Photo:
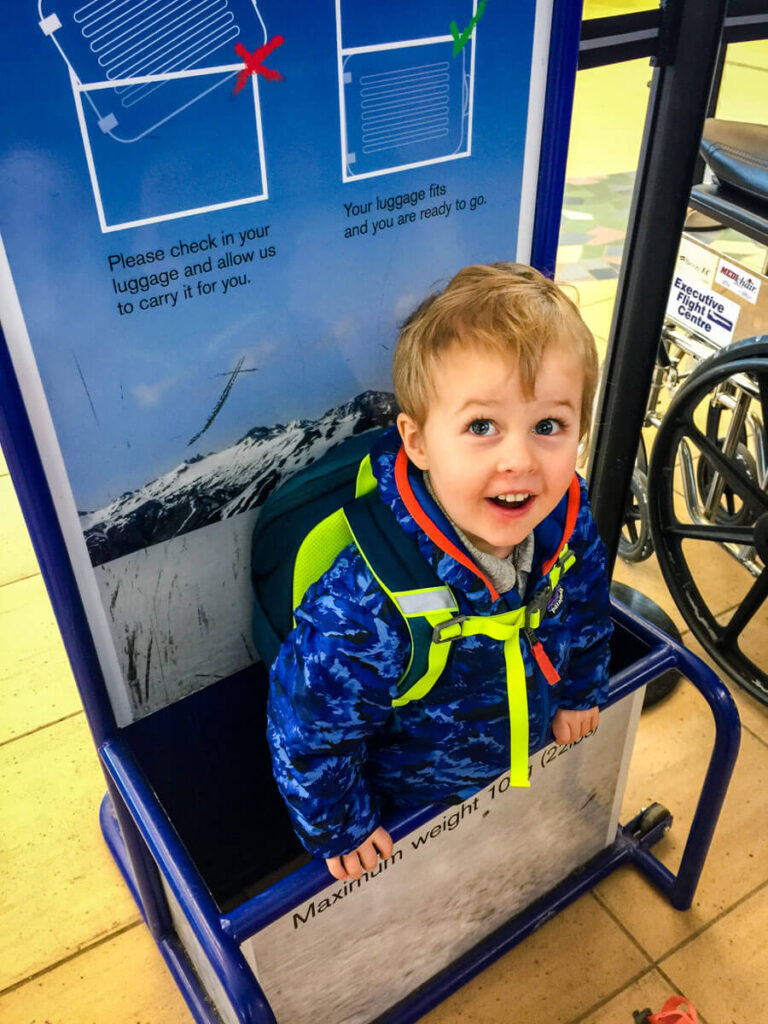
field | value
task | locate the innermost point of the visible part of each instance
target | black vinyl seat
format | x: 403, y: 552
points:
x: 737, y: 154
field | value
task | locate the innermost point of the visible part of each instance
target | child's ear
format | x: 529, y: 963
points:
x: 413, y: 441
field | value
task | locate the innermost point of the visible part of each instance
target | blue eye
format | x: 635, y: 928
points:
x: 481, y: 428
x: 548, y: 426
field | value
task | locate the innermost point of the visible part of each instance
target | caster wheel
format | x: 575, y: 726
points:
x: 650, y: 818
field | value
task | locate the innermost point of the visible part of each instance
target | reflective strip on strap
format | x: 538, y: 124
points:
x: 422, y: 602
x: 437, y: 659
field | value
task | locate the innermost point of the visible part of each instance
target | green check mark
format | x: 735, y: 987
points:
x: 460, y: 38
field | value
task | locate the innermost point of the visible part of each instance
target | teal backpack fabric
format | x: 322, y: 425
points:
x: 290, y: 513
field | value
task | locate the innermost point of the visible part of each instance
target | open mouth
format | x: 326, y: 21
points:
x: 511, y: 501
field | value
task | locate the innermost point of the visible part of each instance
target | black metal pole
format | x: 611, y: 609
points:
x: 688, y: 45
x: 714, y: 94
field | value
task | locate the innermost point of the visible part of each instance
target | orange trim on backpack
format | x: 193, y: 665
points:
x: 571, y: 515
x: 432, y: 531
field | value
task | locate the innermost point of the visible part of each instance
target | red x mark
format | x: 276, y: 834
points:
x: 253, y: 65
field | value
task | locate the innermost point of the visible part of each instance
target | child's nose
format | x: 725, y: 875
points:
x: 515, y: 457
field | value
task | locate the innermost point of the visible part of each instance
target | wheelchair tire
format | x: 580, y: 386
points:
x: 678, y: 435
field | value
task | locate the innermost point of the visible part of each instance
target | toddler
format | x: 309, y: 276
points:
x: 495, y: 377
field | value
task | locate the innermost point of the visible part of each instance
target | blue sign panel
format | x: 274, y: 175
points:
x: 214, y: 215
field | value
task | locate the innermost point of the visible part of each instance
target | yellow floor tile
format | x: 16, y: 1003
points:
x: 723, y: 970
x: 545, y: 979
x: 649, y: 992
x: 60, y: 887
x: 753, y: 53
x: 17, y: 559
x: 743, y: 92
x: 646, y: 577
x: 568, y: 254
x: 588, y: 293
x: 720, y: 581
x: 753, y: 714
x: 671, y: 755
x: 121, y: 981
x: 598, y: 317
x: 753, y: 642
x: 608, y: 116
x: 36, y: 682
x: 610, y: 8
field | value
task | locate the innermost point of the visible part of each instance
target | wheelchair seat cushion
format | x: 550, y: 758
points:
x: 738, y: 155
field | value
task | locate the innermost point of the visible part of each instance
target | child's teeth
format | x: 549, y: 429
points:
x: 513, y: 497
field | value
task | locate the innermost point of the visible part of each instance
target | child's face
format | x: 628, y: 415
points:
x: 498, y: 462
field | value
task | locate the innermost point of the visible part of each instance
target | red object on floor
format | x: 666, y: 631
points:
x: 670, y: 1013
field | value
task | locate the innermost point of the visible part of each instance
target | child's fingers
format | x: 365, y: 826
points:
x: 561, y: 729
x: 364, y: 858
x: 352, y: 865
x: 587, y: 721
x: 335, y: 867
x: 594, y: 718
x: 369, y: 858
x: 382, y: 840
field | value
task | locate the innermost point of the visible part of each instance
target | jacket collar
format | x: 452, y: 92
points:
x: 401, y: 486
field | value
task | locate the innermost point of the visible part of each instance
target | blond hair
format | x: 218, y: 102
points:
x: 508, y: 308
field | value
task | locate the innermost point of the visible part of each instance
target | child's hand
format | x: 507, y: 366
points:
x: 569, y: 726
x: 364, y: 858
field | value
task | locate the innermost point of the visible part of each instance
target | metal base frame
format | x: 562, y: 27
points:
x: 135, y: 826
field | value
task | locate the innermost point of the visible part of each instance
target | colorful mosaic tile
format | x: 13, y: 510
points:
x: 599, y: 206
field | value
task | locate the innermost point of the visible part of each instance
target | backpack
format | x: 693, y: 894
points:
x: 307, y: 522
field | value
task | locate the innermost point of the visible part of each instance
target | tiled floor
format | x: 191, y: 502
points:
x: 72, y: 947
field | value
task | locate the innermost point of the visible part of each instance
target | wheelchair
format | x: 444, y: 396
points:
x: 706, y: 481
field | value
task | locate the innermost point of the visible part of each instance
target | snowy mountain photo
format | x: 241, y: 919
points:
x: 209, y: 488
x: 172, y: 558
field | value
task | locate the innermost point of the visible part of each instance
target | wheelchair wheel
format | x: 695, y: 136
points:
x: 731, y: 510
x: 715, y: 514
x: 635, y: 544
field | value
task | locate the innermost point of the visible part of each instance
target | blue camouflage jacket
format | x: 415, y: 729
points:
x: 339, y: 748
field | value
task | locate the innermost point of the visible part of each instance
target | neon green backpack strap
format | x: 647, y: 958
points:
x: 395, y: 561
x: 506, y: 627
x: 424, y: 610
x: 427, y: 606
x: 419, y: 595
x: 318, y: 551
x: 327, y: 539
x: 366, y: 481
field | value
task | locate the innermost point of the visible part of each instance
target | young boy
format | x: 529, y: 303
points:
x: 495, y: 378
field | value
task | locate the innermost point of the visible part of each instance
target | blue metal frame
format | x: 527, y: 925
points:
x: 139, y: 833
x: 220, y: 935
x: 561, y: 82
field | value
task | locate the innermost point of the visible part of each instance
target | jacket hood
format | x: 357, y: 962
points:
x: 402, y: 488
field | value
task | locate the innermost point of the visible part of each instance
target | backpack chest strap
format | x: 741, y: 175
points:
x: 433, y: 624
x: 505, y: 628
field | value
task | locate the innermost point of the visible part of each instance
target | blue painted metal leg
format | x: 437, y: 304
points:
x: 680, y: 888
x: 171, y: 949
x: 188, y: 888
